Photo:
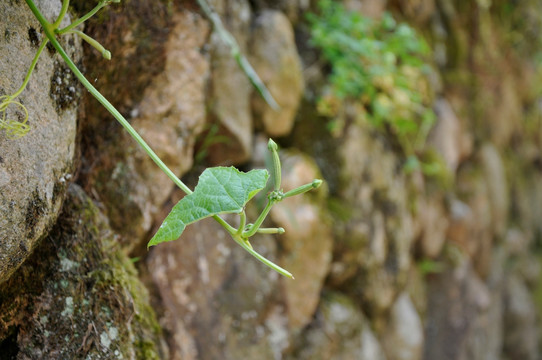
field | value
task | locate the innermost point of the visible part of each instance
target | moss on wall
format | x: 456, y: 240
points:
x: 78, y: 296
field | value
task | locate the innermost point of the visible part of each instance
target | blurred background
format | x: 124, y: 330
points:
x: 423, y: 117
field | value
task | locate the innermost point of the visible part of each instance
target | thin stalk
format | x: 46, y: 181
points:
x: 63, y: 11
x: 31, y: 69
x: 303, y: 188
x: 238, y: 55
x: 105, y: 53
x: 271, y: 231
x: 49, y: 32
x: 230, y: 229
x: 242, y: 222
x: 254, y: 229
x: 270, y: 264
x: 277, y: 172
x: 82, y: 19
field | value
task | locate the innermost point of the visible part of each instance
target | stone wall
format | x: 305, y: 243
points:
x: 388, y: 264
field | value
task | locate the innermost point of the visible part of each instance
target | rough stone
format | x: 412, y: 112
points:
x: 35, y: 169
x: 169, y: 112
x: 274, y: 56
x: 307, y: 240
x: 471, y: 226
x: 78, y: 296
x: 338, y: 331
x: 230, y: 89
x: 375, y: 230
x: 497, y: 187
x: 213, y: 291
x: 371, y: 8
x: 520, y: 330
x: 293, y: 9
x: 459, y: 309
x: 447, y: 135
x: 418, y: 11
x: 434, y: 224
x: 172, y: 112
x: 403, y: 337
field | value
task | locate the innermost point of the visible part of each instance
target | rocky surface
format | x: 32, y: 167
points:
x: 78, y: 295
x: 307, y: 242
x: 35, y: 169
x: 212, y: 292
x: 391, y: 262
x: 230, y: 89
x: 274, y: 56
x: 165, y: 102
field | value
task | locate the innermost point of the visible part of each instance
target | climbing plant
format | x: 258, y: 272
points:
x: 378, y: 67
x: 220, y: 190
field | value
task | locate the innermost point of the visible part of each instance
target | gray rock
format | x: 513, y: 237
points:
x: 520, y: 329
x: 35, y: 169
x: 403, y: 337
x: 462, y: 315
x: 447, y: 135
x: 293, y: 9
x: 274, y: 56
x: 497, y: 187
x: 374, y: 218
x: 339, y: 331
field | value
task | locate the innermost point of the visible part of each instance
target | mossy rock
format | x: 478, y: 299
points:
x: 78, y: 296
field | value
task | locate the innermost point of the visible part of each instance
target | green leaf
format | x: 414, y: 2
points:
x: 220, y: 190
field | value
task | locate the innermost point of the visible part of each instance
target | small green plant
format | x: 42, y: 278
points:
x: 220, y: 190
x: 377, y: 68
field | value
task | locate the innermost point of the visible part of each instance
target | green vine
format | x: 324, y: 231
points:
x: 219, y: 190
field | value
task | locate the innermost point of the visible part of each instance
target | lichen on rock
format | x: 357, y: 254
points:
x: 78, y: 295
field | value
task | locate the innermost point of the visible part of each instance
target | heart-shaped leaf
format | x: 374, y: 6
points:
x: 220, y: 190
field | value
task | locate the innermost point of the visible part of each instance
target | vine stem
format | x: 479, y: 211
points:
x: 31, y: 69
x: 49, y: 30
x: 245, y: 245
x: 243, y: 63
x: 82, y: 19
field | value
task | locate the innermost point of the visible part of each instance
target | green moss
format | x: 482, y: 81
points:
x: 77, y: 286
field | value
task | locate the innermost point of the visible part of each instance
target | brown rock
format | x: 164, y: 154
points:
x: 375, y: 231
x: 307, y: 240
x: 371, y: 8
x: 339, y: 331
x: 169, y: 116
x: 274, y: 56
x: 229, y: 98
x: 446, y: 136
x: 212, y: 290
x: 434, y: 225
